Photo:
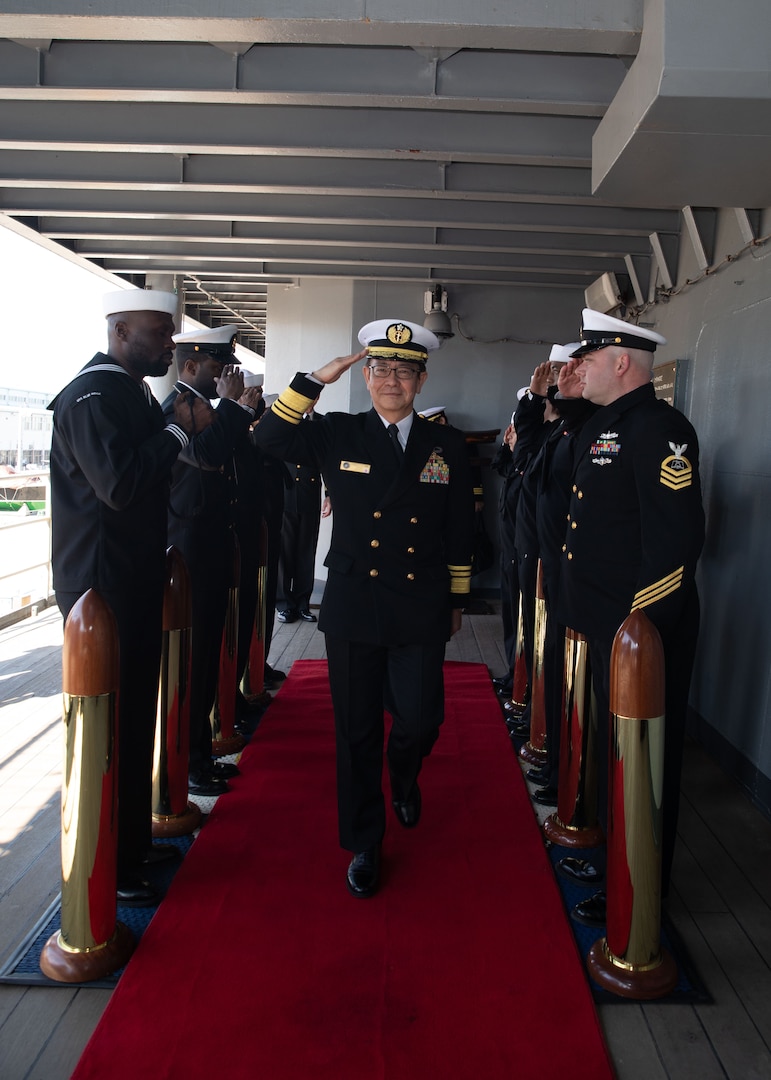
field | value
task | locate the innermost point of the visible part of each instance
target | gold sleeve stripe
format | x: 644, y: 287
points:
x: 460, y: 579
x: 290, y: 406
x: 659, y: 589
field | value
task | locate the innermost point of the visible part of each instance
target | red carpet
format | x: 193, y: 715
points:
x: 259, y: 964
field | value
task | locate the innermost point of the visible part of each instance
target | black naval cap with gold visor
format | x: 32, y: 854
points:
x: 394, y: 339
x: 219, y: 342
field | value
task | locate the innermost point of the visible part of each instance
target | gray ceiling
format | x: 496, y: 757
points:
x: 234, y: 152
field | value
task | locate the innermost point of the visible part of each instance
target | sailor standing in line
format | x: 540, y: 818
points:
x: 635, y: 533
x: 399, y: 572
x: 111, y: 459
x: 201, y: 518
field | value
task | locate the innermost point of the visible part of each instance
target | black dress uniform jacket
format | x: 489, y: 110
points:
x: 636, y: 525
x: 201, y: 503
x: 111, y: 462
x: 400, y: 555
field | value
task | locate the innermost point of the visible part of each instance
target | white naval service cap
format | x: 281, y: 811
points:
x: 397, y: 339
x: 560, y: 354
x: 114, y: 303
x: 219, y: 342
x: 252, y: 378
x: 599, y: 330
x: 436, y: 412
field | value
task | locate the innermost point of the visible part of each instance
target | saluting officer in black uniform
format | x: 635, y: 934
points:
x: 635, y: 532
x: 299, y: 536
x: 111, y: 458
x: 201, y: 520
x: 399, y: 572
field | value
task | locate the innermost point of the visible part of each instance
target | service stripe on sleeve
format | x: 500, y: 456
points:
x: 659, y: 589
x: 290, y: 406
x: 460, y: 579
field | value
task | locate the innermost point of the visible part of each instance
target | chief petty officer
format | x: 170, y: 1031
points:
x: 399, y: 572
x: 635, y: 532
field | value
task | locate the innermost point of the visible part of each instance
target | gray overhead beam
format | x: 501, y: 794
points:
x: 562, y: 26
x: 298, y: 131
x: 352, y: 77
x: 451, y: 212
x: 383, y: 239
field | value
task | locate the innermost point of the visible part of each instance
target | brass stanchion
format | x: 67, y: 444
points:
x: 223, y: 713
x: 534, y: 750
x: 173, y: 815
x: 253, y: 682
x: 629, y: 960
x: 91, y: 942
x: 518, y: 701
x: 575, y: 822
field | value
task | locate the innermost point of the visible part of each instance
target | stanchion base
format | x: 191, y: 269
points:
x: 645, y: 985
x: 513, y: 709
x: 177, y: 824
x: 72, y: 966
x: 589, y: 836
x: 531, y: 755
x: 232, y: 745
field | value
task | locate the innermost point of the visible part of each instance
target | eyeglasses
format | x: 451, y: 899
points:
x: 402, y: 372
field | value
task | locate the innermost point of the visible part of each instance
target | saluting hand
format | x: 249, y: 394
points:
x: 230, y: 384
x: 252, y: 396
x: 568, y: 383
x: 332, y: 371
x: 192, y: 413
x: 539, y: 383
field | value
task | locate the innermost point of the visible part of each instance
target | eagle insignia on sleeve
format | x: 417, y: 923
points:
x: 676, y: 470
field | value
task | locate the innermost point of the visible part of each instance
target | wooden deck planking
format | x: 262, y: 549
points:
x: 719, y: 902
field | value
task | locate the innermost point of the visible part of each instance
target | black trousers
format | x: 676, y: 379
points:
x: 365, y: 680
x: 138, y: 612
x: 296, y: 564
x: 210, y: 600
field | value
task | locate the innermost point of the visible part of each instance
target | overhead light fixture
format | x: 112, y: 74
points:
x: 435, y: 306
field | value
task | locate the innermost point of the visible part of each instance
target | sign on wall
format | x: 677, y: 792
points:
x: 665, y: 380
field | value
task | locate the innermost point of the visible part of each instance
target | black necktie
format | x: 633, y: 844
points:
x: 393, y: 434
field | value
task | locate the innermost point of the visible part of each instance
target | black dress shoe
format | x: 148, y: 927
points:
x: 580, y: 871
x: 538, y: 775
x: 408, y: 810
x: 224, y: 770
x: 363, y: 875
x: 285, y: 615
x: 136, y: 892
x: 519, y: 730
x: 204, y: 784
x: 160, y: 853
x: 546, y: 796
x: 591, y: 912
x: 273, y: 674
x: 307, y: 616
x: 503, y: 685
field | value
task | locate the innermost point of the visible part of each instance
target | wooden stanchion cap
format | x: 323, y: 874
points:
x: 637, y: 669
x: 91, y: 653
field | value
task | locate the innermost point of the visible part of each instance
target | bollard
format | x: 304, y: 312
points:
x: 253, y: 682
x: 629, y: 960
x: 91, y: 942
x: 173, y: 815
x: 534, y: 749
x: 225, y: 740
x: 575, y: 822
x: 518, y: 701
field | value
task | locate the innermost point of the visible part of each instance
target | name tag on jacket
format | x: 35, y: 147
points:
x: 355, y: 466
